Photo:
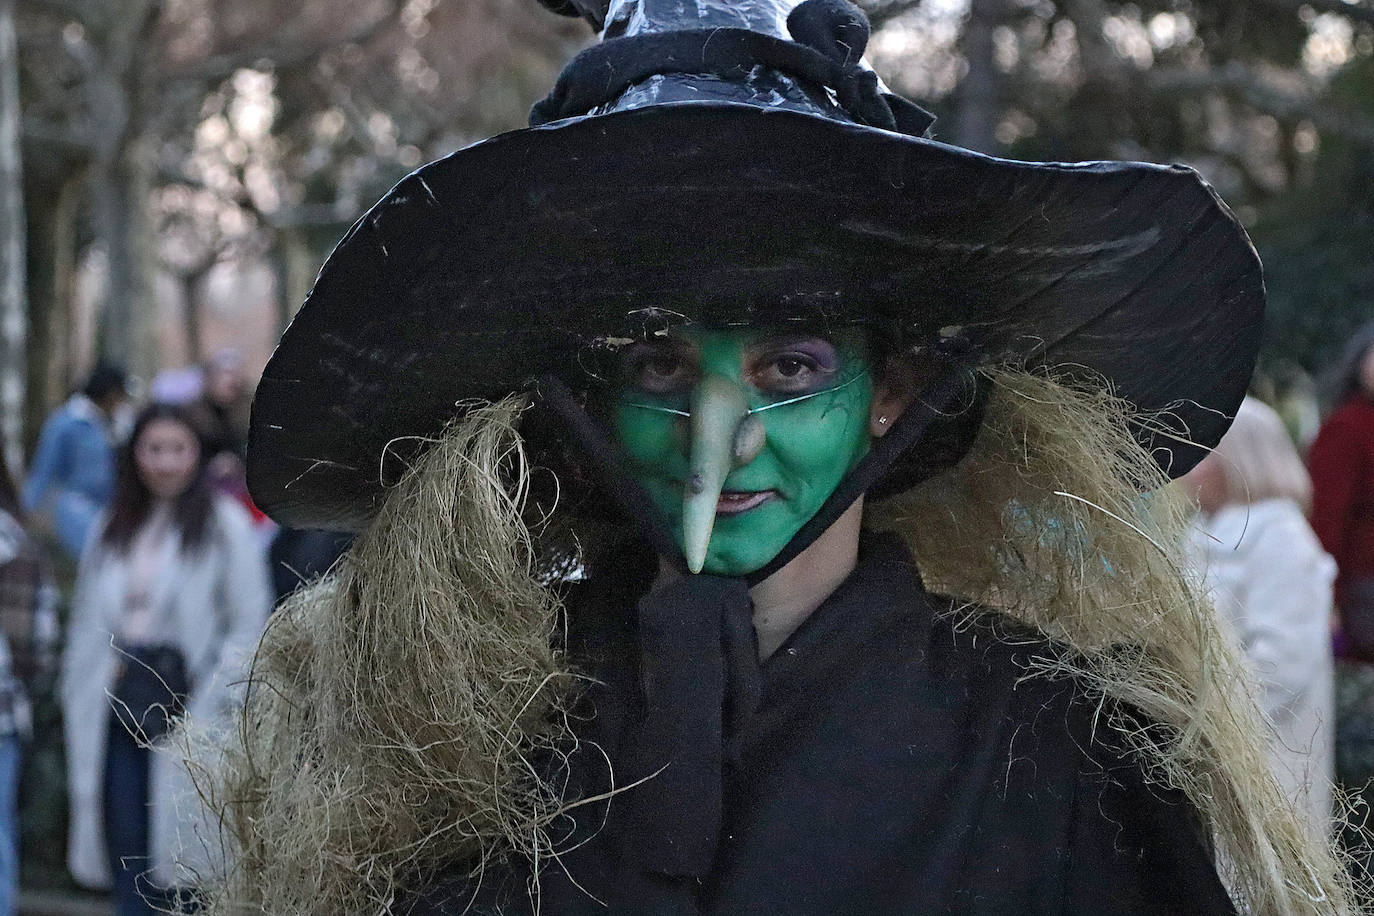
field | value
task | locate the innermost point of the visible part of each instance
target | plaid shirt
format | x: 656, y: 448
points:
x: 28, y: 624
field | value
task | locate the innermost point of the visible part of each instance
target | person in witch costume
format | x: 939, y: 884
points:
x: 762, y: 507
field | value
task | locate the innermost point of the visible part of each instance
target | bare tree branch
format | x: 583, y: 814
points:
x: 14, y: 325
x: 881, y: 12
x: 285, y: 52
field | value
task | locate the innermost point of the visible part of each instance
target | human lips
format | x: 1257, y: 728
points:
x: 733, y: 502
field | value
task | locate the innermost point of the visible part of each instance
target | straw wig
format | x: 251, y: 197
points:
x: 396, y: 707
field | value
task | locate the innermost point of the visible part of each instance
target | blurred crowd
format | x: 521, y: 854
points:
x: 136, y: 575
x: 135, y: 578
x: 1285, y: 541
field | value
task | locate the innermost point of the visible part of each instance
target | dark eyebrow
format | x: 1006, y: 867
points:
x: 788, y: 338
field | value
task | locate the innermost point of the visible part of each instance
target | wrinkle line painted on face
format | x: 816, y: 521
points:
x: 752, y: 410
x: 836, y: 402
x: 776, y: 485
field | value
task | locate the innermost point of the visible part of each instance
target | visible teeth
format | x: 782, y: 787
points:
x: 734, y: 502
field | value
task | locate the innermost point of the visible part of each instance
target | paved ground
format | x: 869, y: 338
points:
x: 49, y: 903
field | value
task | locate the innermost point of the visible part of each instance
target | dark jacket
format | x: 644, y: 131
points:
x: 28, y: 626
x: 893, y: 756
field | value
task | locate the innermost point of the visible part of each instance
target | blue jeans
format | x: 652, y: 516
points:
x: 10, y: 757
x: 126, y: 825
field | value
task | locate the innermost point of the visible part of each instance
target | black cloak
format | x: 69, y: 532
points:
x: 897, y: 754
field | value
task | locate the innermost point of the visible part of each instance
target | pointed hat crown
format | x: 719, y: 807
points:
x: 776, y: 54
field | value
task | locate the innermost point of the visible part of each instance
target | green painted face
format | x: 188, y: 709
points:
x: 811, y: 395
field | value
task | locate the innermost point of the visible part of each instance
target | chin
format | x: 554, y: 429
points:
x: 735, y: 562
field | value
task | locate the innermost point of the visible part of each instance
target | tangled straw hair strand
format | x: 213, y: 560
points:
x: 394, y: 706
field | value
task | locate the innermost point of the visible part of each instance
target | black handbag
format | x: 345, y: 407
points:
x: 150, y: 691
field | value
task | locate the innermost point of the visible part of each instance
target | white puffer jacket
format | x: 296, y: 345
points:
x: 1270, y: 576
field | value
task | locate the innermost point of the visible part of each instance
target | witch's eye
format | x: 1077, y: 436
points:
x: 795, y: 370
x: 660, y: 370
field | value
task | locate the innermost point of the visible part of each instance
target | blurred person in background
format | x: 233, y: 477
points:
x: 181, y: 385
x: 171, y: 596
x: 1341, y: 461
x: 221, y: 411
x: 72, y: 474
x: 222, y: 407
x: 1269, y: 575
x: 28, y: 643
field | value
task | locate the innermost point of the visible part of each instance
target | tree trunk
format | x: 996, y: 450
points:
x: 145, y: 356
x: 121, y: 181
x: 52, y: 213
x: 296, y: 266
x: 128, y: 317
x: 977, y: 100
x: 110, y: 226
x: 190, y: 285
x: 13, y: 303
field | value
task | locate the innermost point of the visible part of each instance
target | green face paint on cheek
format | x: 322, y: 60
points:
x: 809, y: 446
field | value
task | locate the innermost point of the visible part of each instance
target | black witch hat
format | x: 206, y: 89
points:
x: 729, y: 161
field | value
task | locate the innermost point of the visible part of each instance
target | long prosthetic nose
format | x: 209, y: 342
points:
x: 724, y: 435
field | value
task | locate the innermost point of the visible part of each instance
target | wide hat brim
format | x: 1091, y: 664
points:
x: 536, y: 250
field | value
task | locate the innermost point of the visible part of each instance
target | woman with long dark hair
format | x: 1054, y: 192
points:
x: 171, y: 594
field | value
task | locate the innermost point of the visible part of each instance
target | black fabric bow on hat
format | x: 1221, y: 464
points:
x: 830, y: 38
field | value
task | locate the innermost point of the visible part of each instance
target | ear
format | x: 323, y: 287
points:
x: 892, y: 394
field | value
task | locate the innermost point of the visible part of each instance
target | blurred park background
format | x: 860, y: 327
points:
x: 173, y: 172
